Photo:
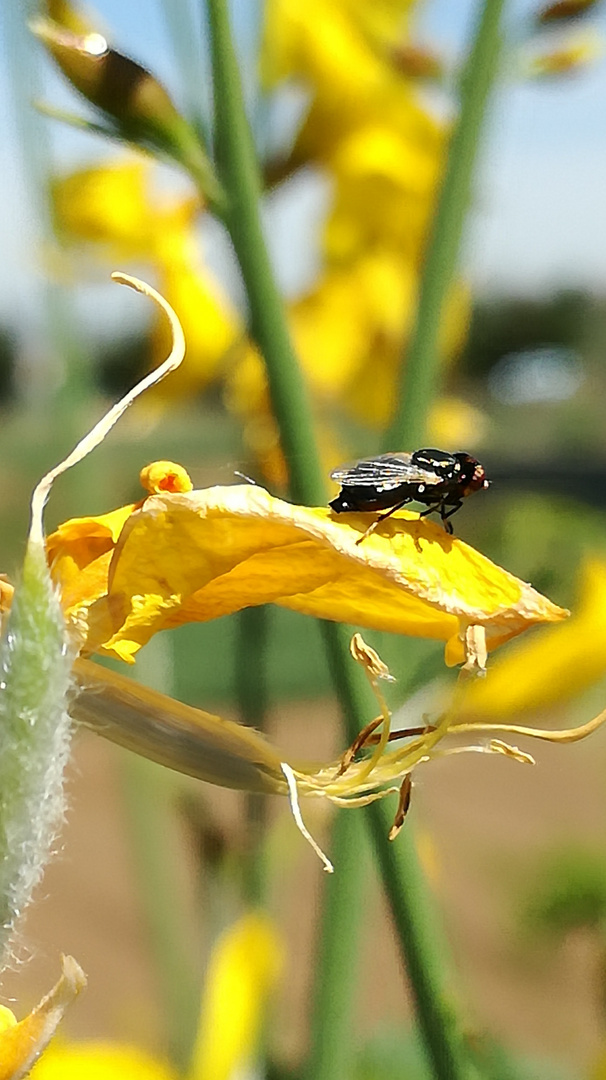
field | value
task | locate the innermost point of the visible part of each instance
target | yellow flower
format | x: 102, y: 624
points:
x: 212, y: 328
x: 385, y: 184
x: 22, y: 1043
x: 243, y: 970
x: 551, y: 667
x: 117, y: 208
x: 454, y: 422
x: 116, y: 205
x: 100, y: 1061
x: 332, y: 44
x: 361, y: 312
x: 194, y: 556
x: 574, y: 55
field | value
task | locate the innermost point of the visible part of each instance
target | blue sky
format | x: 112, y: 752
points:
x: 539, y: 217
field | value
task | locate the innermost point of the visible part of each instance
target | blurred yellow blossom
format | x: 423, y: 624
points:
x: 551, y: 667
x: 330, y: 43
x: 100, y: 1061
x: 573, y: 55
x: 117, y: 204
x: 383, y: 151
x: 344, y: 62
x: 384, y: 190
x: 213, y: 330
x: 117, y: 207
x: 243, y: 970
x: 350, y: 332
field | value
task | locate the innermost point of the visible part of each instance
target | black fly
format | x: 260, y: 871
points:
x: 434, y: 477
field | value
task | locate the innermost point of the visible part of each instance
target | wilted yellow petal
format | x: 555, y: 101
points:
x: 242, y: 971
x: 199, y: 555
x: 21, y: 1044
x: 550, y: 667
x: 80, y: 552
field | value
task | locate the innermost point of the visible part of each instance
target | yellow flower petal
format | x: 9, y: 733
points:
x: 210, y: 323
x: 108, y: 204
x: 7, y: 1019
x: 243, y: 968
x: 80, y: 552
x: 21, y: 1044
x: 551, y: 667
x: 100, y: 1061
x: 199, y: 555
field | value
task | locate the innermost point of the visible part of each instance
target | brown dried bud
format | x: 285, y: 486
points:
x: 416, y: 63
x: 564, y: 10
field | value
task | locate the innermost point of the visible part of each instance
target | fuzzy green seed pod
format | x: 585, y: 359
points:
x: 37, y: 651
x: 35, y: 665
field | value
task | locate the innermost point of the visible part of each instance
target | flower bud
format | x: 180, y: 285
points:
x: 563, y: 10
x: 138, y: 106
x: 416, y: 63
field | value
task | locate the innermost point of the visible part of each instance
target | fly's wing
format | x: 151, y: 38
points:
x: 384, y: 472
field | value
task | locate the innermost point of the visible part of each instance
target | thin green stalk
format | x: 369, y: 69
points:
x: 251, y: 692
x: 238, y: 170
x: 337, y: 958
x: 239, y: 174
x: 34, y: 146
x: 148, y: 797
x: 416, y: 927
x: 420, y: 371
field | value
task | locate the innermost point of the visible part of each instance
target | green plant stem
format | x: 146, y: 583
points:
x: 149, y: 804
x: 420, y: 370
x: 336, y: 969
x: 417, y: 929
x: 238, y: 171
x: 148, y: 797
x: 239, y: 174
x: 251, y: 692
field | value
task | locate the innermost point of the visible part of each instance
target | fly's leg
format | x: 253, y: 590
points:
x: 432, y: 509
x: 382, y: 517
x: 447, y: 524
